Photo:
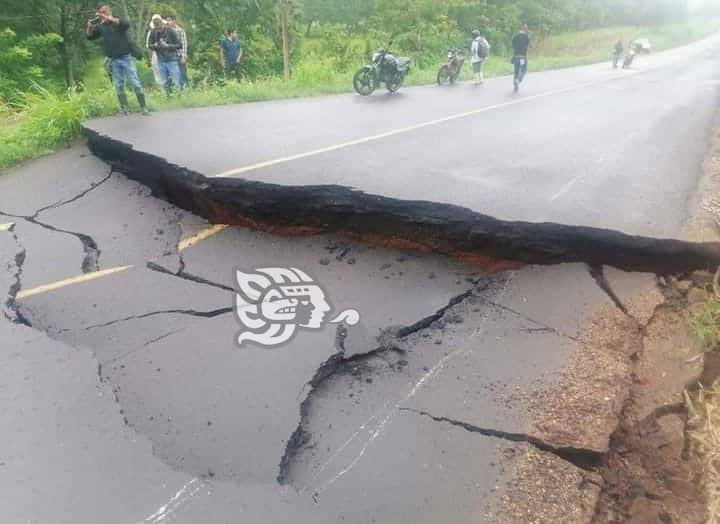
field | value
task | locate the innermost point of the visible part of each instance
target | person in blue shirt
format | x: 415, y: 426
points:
x: 230, y: 53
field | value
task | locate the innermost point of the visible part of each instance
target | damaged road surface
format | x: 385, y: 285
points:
x: 130, y: 400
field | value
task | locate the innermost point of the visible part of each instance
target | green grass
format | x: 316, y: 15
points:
x: 705, y: 323
x: 49, y: 121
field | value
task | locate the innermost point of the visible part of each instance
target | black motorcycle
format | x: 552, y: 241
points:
x: 385, y: 69
x: 450, y: 70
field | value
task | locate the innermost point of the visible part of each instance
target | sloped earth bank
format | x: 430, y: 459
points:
x: 446, y: 402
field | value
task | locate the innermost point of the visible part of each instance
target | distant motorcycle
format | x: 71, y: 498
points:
x: 450, y: 70
x: 629, y: 57
x: 384, y: 69
x: 639, y: 46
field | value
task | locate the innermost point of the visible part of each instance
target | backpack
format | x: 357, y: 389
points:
x: 483, y: 47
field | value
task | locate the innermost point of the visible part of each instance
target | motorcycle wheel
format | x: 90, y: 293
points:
x: 364, y: 82
x: 444, y: 76
x: 394, y: 84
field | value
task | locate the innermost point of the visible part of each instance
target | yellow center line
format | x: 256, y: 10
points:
x: 88, y: 277
x: 407, y: 129
x: 200, y: 236
x: 7, y: 227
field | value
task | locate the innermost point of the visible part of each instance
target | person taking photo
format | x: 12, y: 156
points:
x: 118, y: 49
x: 166, y: 43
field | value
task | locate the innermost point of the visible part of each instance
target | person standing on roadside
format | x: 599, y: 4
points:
x: 230, y: 53
x: 165, y: 42
x: 479, y: 52
x: 156, y: 23
x: 617, y: 53
x: 117, y: 47
x: 183, y: 51
x: 520, y: 43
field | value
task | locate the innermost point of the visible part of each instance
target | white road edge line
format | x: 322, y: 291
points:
x: 183, y: 496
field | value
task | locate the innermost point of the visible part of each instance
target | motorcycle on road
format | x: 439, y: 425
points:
x: 384, y: 69
x: 450, y: 70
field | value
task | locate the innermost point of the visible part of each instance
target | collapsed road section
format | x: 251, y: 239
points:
x: 423, y: 225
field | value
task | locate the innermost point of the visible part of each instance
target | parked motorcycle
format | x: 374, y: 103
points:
x: 450, y: 70
x: 629, y: 57
x: 639, y: 46
x: 384, y: 69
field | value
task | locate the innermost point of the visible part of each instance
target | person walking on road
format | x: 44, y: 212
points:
x: 230, y: 53
x: 183, y: 51
x: 119, y: 50
x: 617, y: 53
x: 479, y: 52
x: 520, y: 43
x: 166, y: 43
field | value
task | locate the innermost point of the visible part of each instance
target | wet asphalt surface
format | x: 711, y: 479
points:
x: 587, y: 146
x: 128, y: 400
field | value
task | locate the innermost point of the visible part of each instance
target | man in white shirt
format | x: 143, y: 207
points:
x: 479, y: 52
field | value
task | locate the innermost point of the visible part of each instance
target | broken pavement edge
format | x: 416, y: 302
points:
x: 442, y: 228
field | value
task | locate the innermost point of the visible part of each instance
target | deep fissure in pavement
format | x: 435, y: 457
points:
x: 585, y: 459
x: 182, y: 274
x: 91, y: 250
x: 442, y: 228
x: 12, y: 311
x: 598, y: 274
x: 188, y: 312
x: 390, y: 341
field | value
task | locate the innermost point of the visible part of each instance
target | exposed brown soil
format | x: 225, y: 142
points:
x: 648, y: 476
x: 620, y: 395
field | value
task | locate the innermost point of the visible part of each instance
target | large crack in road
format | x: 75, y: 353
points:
x: 442, y: 228
x: 298, y: 466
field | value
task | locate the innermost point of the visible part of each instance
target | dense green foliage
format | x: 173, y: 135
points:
x: 51, y: 77
x: 334, y: 34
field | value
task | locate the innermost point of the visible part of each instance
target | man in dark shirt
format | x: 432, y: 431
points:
x: 183, y: 50
x: 230, y: 52
x: 520, y: 43
x: 166, y: 43
x: 617, y: 53
x: 118, y: 50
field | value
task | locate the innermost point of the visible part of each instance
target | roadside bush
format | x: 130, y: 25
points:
x: 313, y: 72
x: 22, y: 63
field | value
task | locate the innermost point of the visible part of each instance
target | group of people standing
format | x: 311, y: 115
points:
x: 166, y: 50
x: 480, y: 51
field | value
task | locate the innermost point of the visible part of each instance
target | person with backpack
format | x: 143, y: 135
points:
x: 120, y: 52
x: 479, y: 52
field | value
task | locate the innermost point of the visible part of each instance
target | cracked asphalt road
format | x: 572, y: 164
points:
x: 152, y: 405
x: 129, y: 400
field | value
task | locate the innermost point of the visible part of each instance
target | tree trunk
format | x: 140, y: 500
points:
x: 285, y: 34
x: 65, y: 52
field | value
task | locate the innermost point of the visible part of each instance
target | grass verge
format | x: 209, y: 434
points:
x: 704, y: 411
x: 704, y: 418
x: 48, y: 121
